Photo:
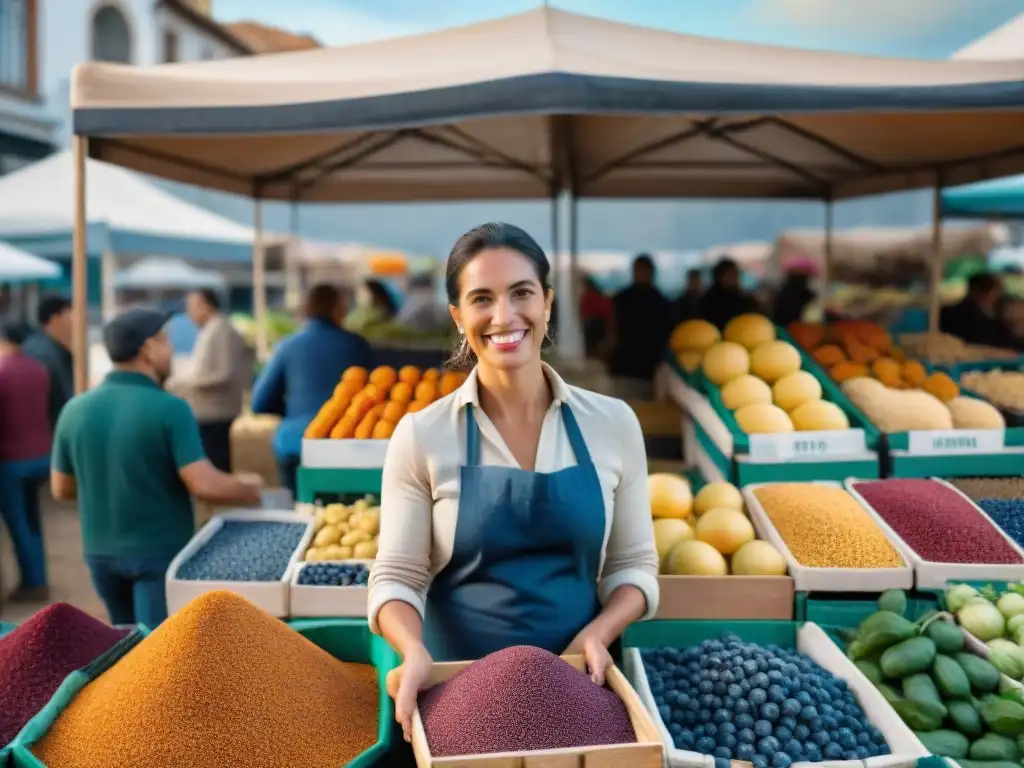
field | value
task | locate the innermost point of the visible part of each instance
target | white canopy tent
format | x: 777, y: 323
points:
x: 576, y: 107
x: 18, y: 266
x: 1005, y: 42
x: 168, y: 274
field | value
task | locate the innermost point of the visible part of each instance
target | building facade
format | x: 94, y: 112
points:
x: 42, y: 40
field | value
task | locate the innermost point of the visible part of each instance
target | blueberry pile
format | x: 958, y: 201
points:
x: 766, y: 705
x: 334, y: 575
x: 244, y: 551
x: 1008, y: 514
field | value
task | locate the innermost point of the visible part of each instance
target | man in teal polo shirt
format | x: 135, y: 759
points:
x: 131, y: 454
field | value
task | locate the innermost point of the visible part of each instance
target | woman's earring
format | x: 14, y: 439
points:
x: 462, y: 331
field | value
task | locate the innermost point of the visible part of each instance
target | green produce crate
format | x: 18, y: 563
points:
x: 323, y: 484
x: 829, y: 610
x: 715, y: 428
x: 680, y: 632
x: 18, y: 753
x: 348, y: 640
x: 6, y: 628
x: 1007, y: 461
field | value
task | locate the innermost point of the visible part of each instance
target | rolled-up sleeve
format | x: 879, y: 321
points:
x: 631, y: 557
x: 402, y: 567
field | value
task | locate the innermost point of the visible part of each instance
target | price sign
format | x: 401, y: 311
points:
x: 807, y: 446
x: 946, y: 442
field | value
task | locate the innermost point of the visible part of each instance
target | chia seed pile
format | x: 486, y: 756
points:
x: 521, y: 698
x: 769, y: 706
x: 245, y: 551
x: 37, y: 656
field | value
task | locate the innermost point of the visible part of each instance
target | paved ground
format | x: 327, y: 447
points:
x: 69, y: 578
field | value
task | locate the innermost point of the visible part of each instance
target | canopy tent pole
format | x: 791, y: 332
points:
x: 938, y: 266
x: 259, y: 283
x: 573, y: 346
x: 826, y: 262
x: 108, y: 274
x: 80, y: 272
x: 292, y: 262
x: 556, y: 237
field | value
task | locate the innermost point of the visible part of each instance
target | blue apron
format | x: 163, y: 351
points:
x: 525, y: 559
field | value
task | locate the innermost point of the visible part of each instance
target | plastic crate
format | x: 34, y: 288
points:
x: 315, y: 483
x: 808, y: 638
x: 347, y: 640
x: 5, y: 628
x: 18, y: 753
x: 830, y: 609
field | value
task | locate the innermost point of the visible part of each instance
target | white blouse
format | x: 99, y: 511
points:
x: 420, y: 491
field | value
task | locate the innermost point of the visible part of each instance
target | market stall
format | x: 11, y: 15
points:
x: 20, y: 274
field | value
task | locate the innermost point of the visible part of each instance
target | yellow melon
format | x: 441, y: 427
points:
x: 773, y: 360
x: 695, y: 558
x: 795, y: 389
x: 745, y: 390
x: 724, y: 529
x: 763, y: 419
x: 819, y: 416
x: 671, y: 496
x: 693, y: 336
x: 690, y: 361
x: 668, y: 532
x: 750, y: 330
x: 717, y: 496
x: 724, y: 362
x: 758, y: 558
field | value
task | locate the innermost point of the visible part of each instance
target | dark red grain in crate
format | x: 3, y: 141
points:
x: 937, y: 523
x: 37, y: 656
x: 518, y: 699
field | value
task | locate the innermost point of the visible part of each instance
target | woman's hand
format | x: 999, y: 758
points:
x: 405, y: 682
x: 594, y: 651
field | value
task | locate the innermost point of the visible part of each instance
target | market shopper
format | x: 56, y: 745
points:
x: 303, y: 372
x: 515, y: 510
x: 220, y: 372
x: 725, y: 298
x: 130, y: 454
x: 51, y: 346
x: 25, y: 439
x: 976, y: 319
x: 643, y: 323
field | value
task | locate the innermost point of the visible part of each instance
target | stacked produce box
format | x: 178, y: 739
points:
x: 931, y: 425
x: 712, y: 563
x: 758, y: 408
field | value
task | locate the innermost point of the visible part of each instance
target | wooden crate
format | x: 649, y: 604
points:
x: 726, y: 597
x: 647, y: 752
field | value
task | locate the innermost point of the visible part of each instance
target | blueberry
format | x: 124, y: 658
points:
x: 769, y: 711
x: 759, y: 761
x: 744, y: 720
x: 722, y: 761
x: 781, y: 760
x: 734, y: 691
x: 791, y: 707
x: 757, y: 697
x: 768, y: 746
x: 783, y: 734
x: 745, y: 736
x: 744, y: 752
x: 832, y: 751
x: 705, y: 745
x: 762, y: 728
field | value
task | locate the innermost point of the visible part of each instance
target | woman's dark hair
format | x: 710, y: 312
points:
x: 381, y: 296
x: 14, y: 332
x: 322, y: 303
x: 494, y: 234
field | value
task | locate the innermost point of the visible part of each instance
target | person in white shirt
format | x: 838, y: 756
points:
x: 220, y: 372
x: 515, y: 510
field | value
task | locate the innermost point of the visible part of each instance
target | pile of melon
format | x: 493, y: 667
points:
x: 896, y: 393
x: 760, y: 380
x: 707, y: 535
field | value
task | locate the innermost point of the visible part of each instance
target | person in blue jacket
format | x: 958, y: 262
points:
x: 303, y: 372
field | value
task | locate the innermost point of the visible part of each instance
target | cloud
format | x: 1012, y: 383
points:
x: 889, y: 19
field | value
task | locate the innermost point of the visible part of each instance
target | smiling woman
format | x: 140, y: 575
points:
x: 515, y: 510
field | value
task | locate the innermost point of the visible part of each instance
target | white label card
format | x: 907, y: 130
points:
x: 807, y: 446
x: 952, y: 441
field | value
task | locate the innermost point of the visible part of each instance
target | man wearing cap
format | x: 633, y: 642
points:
x: 131, y: 454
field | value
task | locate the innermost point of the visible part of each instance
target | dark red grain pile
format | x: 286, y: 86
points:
x: 37, y: 656
x: 936, y: 522
x: 518, y: 699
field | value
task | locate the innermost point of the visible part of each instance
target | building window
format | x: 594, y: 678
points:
x: 170, y: 46
x: 18, y: 45
x: 111, y: 38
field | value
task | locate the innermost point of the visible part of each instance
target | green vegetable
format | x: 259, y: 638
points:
x: 920, y: 715
x: 870, y: 670
x: 888, y: 692
x: 1015, y: 624
x: 965, y: 718
x: 983, y: 676
x: 908, y: 657
x: 879, y: 631
x: 894, y: 600
x: 951, y: 678
x: 945, y: 743
x: 992, y: 746
x: 1011, y: 604
x: 948, y: 637
x: 986, y: 764
x: 982, y: 619
x: 958, y: 596
x: 1007, y: 657
x: 920, y: 688
x: 1003, y: 716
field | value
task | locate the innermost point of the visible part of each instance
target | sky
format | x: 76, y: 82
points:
x: 906, y: 28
